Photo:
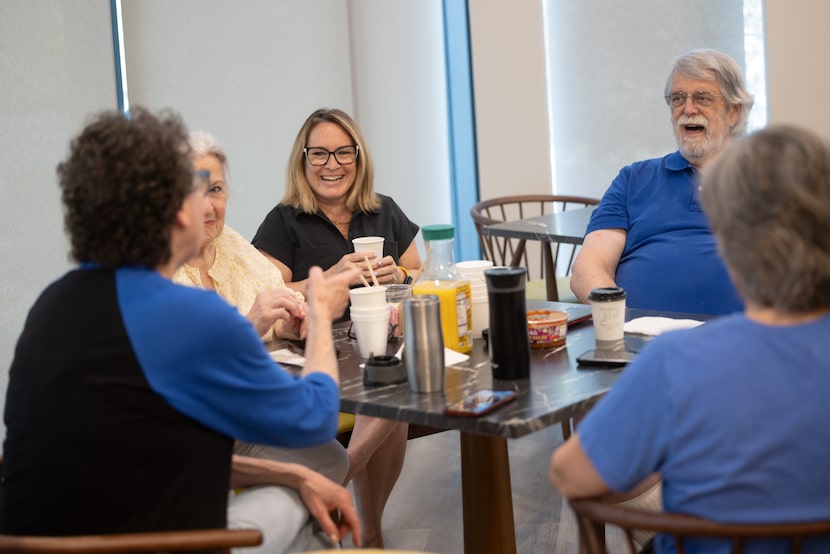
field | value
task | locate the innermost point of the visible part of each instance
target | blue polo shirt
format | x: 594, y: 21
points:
x: 670, y: 260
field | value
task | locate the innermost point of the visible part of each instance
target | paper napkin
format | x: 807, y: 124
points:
x: 653, y: 326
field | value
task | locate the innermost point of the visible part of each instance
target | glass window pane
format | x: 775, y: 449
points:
x: 607, y: 65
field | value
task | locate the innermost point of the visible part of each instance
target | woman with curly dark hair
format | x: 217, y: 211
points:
x: 126, y: 391
x: 121, y: 192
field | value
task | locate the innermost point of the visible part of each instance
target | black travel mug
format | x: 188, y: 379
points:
x: 508, y: 342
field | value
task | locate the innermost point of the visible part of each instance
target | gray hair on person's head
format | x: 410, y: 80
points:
x: 767, y: 197
x: 706, y: 64
x: 203, y: 143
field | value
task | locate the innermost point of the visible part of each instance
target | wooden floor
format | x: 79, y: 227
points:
x: 424, y: 511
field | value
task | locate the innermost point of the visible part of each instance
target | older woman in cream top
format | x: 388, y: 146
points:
x: 228, y: 264
x: 239, y: 273
x: 246, y: 279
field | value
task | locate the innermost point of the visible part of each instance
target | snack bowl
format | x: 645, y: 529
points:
x: 547, y: 328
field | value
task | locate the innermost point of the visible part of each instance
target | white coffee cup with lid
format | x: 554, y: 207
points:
x: 608, y: 312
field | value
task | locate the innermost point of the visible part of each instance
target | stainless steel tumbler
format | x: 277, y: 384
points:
x: 423, y: 351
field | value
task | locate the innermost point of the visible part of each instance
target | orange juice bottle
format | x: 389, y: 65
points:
x: 441, y: 278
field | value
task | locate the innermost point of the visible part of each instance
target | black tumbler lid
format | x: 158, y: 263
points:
x: 606, y: 294
x: 505, y: 277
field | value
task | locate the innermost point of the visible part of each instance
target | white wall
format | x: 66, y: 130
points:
x: 400, y: 94
x: 508, y: 53
x: 797, y: 47
x: 249, y: 73
x: 56, y: 66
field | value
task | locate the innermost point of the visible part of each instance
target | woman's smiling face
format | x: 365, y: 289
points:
x: 330, y: 182
x: 216, y: 198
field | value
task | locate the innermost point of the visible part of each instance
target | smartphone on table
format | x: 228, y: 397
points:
x: 480, y: 402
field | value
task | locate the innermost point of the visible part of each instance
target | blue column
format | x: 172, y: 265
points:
x: 462, y: 139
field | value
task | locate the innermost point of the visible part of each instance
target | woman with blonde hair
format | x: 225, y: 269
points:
x: 330, y: 200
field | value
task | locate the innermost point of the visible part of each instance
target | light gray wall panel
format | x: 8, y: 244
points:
x: 401, y: 103
x: 797, y: 47
x: 56, y: 67
x: 248, y: 72
x: 508, y: 55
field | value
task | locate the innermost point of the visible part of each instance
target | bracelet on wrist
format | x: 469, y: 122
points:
x: 407, y: 276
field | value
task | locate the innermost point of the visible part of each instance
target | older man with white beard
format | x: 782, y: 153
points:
x: 649, y: 234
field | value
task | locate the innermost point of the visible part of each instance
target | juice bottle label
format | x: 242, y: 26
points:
x: 456, y: 309
x: 464, y: 315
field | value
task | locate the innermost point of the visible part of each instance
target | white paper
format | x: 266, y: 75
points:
x: 451, y: 357
x: 653, y: 325
x: 286, y: 356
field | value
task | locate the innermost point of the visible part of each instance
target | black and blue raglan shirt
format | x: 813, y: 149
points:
x: 125, y: 394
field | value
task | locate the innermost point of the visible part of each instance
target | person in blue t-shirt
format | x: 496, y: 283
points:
x: 649, y: 235
x: 733, y: 414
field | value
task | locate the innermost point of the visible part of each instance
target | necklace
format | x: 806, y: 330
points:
x: 331, y: 218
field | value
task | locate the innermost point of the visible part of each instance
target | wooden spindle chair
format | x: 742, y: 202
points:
x: 538, y: 257
x: 592, y: 515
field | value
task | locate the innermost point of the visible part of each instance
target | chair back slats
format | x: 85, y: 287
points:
x: 592, y: 515
x: 501, y: 250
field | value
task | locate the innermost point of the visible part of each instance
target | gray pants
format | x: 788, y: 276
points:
x: 281, y: 516
x: 279, y: 512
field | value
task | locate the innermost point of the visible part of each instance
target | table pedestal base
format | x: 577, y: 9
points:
x: 487, y: 496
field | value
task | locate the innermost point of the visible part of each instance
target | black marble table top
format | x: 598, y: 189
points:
x: 566, y: 227
x: 556, y: 389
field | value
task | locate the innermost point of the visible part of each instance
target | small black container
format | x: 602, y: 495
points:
x: 508, y: 340
x: 383, y: 370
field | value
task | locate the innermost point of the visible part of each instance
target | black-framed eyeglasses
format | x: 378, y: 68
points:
x: 344, y: 155
x: 699, y: 98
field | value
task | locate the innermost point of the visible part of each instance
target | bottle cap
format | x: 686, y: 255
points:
x: 438, y: 232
